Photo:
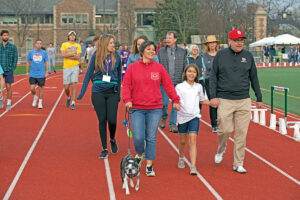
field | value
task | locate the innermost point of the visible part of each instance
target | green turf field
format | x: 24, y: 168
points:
x: 22, y: 69
x: 285, y: 77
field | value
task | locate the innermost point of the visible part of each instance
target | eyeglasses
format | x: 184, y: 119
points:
x: 239, y: 40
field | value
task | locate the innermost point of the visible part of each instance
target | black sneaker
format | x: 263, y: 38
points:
x: 214, y: 129
x: 54, y: 71
x: 104, y: 154
x: 68, y: 101
x: 113, y: 146
x: 73, y: 107
x: 139, y: 159
x: 150, y: 171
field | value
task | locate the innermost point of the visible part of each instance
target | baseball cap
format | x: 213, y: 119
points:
x: 235, y: 34
x: 71, y: 33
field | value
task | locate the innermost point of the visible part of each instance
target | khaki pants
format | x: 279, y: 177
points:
x: 234, y: 115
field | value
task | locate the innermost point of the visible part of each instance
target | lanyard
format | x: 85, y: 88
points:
x: 108, y: 64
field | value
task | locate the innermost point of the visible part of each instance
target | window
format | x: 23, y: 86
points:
x: 64, y: 19
x: 70, y: 19
x: 78, y: 19
x: 144, y: 19
x: 84, y: 19
x: 10, y: 19
x: 42, y: 19
x: 106, y: 19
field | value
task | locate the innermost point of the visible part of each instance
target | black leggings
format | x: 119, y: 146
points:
x: 106, y: 107
x: 212, y: 111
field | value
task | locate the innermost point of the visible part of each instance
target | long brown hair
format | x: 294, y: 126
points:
x: 102, y: 52
x: 134, y: 49
x: 184, y: 77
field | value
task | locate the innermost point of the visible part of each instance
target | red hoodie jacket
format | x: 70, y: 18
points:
x: 141, y: 85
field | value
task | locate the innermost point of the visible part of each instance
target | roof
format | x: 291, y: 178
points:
x: 46, y: 6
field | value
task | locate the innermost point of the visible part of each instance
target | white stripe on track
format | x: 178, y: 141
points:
x: 109, y: 180
x: 264, y: 160
x: 21, y: 99
x: 209, y: 187
x: 25, y: 161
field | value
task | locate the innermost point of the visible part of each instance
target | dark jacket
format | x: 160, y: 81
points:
x: 180, y: 61
x: 114, y: 73
x: 232, y: 74
x: 198, y: 61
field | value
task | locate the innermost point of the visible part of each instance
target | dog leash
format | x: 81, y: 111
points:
x: 126, y: 122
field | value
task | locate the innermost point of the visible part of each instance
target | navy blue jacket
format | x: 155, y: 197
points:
x: 114, y: 72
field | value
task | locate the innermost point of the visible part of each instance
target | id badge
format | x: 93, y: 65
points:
x: 106, y: 78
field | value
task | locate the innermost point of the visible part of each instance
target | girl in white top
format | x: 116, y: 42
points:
x: 190, y: 93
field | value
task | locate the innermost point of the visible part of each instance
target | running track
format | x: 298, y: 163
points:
x: 52, y: 154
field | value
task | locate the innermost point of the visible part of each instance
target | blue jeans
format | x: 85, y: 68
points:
x: 144, y: 130
x: 51, y: 64
x: 292, y: 58
x: 173, y: 116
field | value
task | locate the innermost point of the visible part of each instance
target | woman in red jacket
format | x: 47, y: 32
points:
x: 141, y: 94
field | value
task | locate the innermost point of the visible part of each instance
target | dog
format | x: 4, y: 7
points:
x: 129, y: 169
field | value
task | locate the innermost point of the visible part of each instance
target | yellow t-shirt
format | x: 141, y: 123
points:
x: 70, y: 48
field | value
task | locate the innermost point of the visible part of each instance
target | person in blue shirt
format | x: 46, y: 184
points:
x: 38, y: 60
x: 104, y: 71
x: 135, y: 53
x: 2, y: 83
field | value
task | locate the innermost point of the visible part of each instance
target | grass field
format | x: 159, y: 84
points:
x: 21, y: 69
x: 285, y: 77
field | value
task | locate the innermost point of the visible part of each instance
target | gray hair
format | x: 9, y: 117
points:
x: 191, y: 47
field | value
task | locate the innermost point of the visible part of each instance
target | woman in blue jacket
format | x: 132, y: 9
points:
x: 104, y: 71
x: 135, y: 53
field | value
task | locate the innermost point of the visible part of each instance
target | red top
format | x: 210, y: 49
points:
x: 141, y: 85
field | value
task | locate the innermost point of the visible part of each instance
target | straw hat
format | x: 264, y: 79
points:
x: 211, y: 38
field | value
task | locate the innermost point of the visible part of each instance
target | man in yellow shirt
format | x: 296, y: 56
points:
x: 71, y: 52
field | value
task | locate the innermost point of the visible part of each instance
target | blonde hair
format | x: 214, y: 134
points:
x: 102, y: 52
x: 207, y: 47
x: 184, y: 77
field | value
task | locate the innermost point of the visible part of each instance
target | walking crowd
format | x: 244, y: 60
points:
x: 147, y: 77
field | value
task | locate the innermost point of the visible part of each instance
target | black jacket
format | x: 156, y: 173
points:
x: 232, y: 74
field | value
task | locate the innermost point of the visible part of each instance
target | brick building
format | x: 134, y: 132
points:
x: 51, y: 20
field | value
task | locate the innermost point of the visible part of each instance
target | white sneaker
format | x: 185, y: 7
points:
x: 240, y: 169
x: 219, y: 157
x: 34, y: 103
x: 40, y: 106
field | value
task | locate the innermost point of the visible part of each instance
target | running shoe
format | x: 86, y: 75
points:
x: 239, y: 169
x: 113, y: 146
x: 104, y: 154
x: 149, y: 171
x: 68, y: 101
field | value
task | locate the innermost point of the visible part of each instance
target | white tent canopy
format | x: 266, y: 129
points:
x: 262, y: 42
x: 285, y: 39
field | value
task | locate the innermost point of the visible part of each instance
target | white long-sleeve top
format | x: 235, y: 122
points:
x: 190, y: 96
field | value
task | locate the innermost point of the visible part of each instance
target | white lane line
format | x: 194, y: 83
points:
x: 264, y: 160
x: 16, y: 82
x: 23, y: 165
x: 209, y: 187
x: 20, y: 100
x: 112, y: 194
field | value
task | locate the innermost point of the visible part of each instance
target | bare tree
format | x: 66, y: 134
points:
x: 128, y: 19
x: 22, y: 10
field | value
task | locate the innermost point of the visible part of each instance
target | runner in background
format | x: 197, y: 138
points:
x: 8, y: 61
x: 37, y: 59
x: 51, y: 56
x: 71, y: 52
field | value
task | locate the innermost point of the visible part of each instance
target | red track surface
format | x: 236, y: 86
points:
x: 64, y: 163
